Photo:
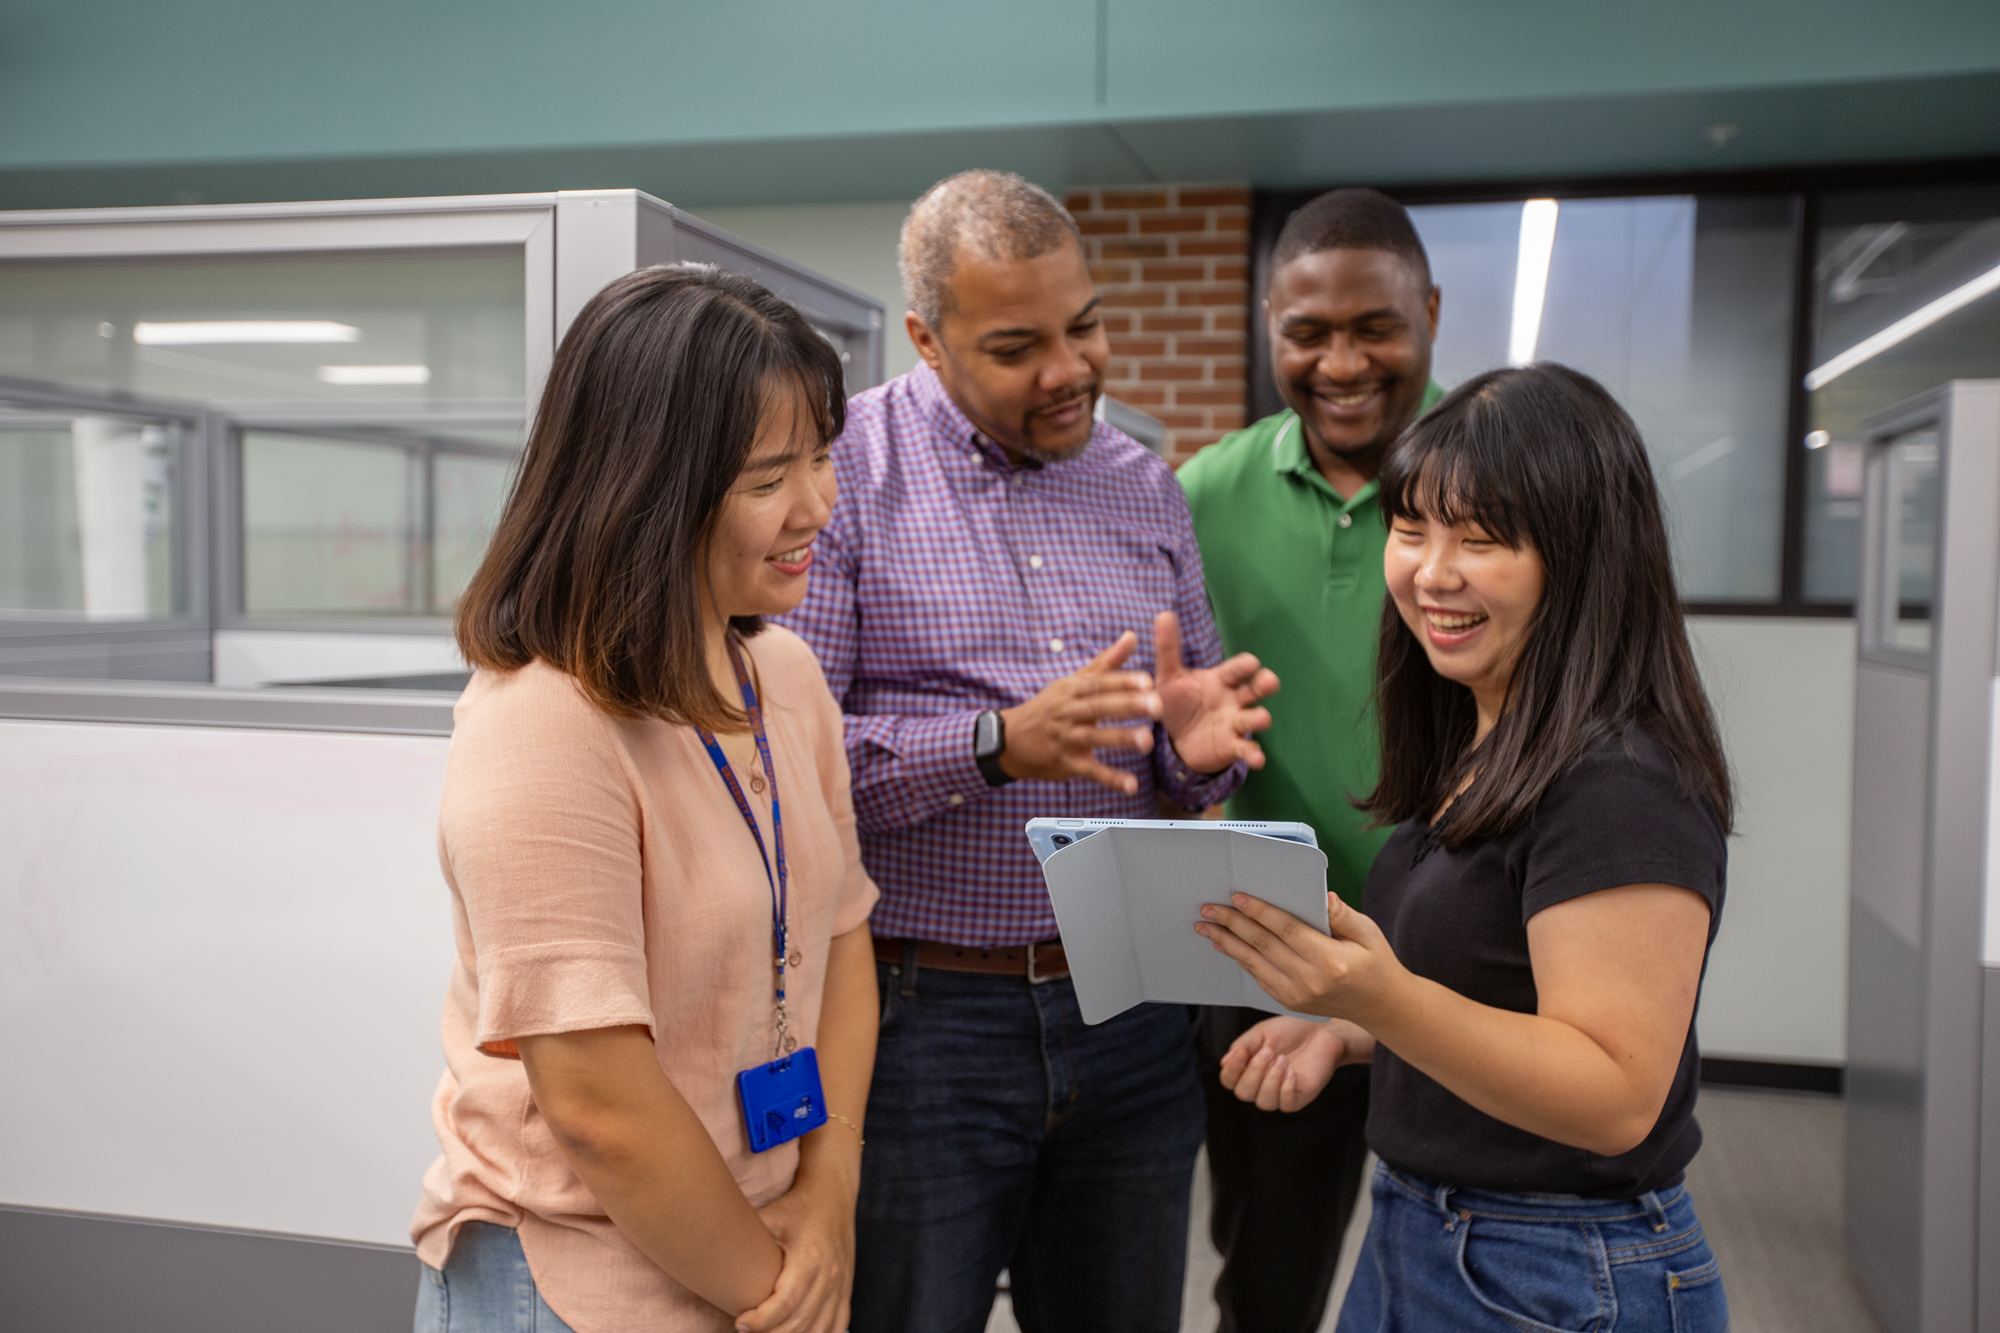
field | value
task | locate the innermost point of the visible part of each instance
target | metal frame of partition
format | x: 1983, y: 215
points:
x: 571, y: 243
x: 1923, y: 1187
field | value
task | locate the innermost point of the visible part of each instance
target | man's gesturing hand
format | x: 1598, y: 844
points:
x: 1210, y: 714
x: 1056, y: 734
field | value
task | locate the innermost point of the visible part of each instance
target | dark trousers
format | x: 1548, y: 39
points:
x: 1285, y: 1186
x: 1005, y: 1133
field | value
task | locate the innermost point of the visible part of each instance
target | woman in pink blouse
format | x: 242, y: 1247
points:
x: 650, y: 845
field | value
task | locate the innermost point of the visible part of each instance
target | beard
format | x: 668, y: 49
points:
x: 1057, y: 453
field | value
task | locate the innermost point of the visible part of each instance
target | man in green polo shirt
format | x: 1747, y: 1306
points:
x: 1292, y: 538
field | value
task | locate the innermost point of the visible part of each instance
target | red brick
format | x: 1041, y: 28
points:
x: 1142, y: 298
x: 1169, y: 370
x: 1104, y: 226
x: 1138, y: 396
x: 1232, y: 246
x: 1132, y: 249
x: 1079, y: 201
x: 1226, y: 369
x: 1228, y: 219
x: 1133, y: 198
x: 1117, y: 323
x: 1183, y: 420
x: 1218, y: 395
x: 1213, y: 196
x: 1229, y: 321
x: 1138, y: 347
x: 1180, y: 323
x: 1232, y: 270
x: 1156, y: 224
x: 1226, y: 418
x: 1115, y: 370
x: 1193, y: 441
x: 1196, y: 296
x: 1231, y: 347
x: 1111, y: 272
x: 1172, y: 272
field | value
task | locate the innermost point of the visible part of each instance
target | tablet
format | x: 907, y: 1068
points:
x: 1048, y: 834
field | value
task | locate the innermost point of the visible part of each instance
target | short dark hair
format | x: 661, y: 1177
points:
x: 1352, y: 220
x: 646, y: 421
x: 1541, y: 456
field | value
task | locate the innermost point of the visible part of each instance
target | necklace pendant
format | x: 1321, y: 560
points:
x: 796, y: 960
x: 757, y: 783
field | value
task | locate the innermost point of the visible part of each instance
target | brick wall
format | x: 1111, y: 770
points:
x: 1173, y: 262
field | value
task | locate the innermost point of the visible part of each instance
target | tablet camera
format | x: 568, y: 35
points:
x: 1061, y: 840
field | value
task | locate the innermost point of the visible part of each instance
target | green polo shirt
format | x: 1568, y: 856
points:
x: 1295, y: 576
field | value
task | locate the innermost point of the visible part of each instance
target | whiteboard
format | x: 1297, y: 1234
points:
x: 223, y: 957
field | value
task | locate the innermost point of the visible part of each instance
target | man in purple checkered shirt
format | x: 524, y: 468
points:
x: 1009, y: 604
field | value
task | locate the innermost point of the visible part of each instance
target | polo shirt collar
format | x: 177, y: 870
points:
x: 1289, y: 455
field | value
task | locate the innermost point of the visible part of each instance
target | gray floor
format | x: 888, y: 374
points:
x: 1767, y: 1184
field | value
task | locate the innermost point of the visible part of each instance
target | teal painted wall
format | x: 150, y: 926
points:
x: 777, y: 100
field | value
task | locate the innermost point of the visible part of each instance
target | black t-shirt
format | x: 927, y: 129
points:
x: 1460, y: 918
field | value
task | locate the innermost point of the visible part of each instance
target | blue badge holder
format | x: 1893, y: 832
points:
x: 782, y: 1100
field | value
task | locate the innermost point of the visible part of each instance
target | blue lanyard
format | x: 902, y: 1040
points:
x: 780, y: 887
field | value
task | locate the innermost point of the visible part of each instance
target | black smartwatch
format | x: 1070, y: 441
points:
x: 989, y: 741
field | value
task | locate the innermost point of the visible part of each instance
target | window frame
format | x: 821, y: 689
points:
x: 1806, y: 185
x: 187, y: 628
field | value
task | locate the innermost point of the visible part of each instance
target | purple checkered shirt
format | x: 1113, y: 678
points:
x: 951, y: 581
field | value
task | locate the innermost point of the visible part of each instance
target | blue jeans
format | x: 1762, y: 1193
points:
x: 1004, y: 1133
x: 1443, y: 1258
x: 485, y: 1288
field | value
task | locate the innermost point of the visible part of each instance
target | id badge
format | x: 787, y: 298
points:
x: 782, y: 1100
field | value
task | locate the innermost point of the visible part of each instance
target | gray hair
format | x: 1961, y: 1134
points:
x: 1001, y: 214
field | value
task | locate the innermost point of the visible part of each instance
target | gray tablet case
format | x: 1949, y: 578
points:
x: 1127, y: 900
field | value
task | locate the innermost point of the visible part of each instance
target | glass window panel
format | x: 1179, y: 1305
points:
x: 86, y: 515
x: 1885, y: 255
x: 1911, y: 474
x: 326, y: 526
x: 1680, y: 305
x: 467, y: 493
x: 394, y: 329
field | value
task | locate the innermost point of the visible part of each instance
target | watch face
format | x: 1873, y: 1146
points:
x: 986, y: 735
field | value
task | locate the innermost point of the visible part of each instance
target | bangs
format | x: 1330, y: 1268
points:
x: 1446, y: 470
x: 814, y: 366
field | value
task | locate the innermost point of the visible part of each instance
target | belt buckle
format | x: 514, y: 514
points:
x: 1033, y: 978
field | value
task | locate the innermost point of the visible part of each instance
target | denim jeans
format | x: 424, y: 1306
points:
x: 485, y: 1288
x: 1004, y: 1133
x: 1443, y: 1258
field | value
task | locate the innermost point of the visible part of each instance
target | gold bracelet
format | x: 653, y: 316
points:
x: 835, y: 1115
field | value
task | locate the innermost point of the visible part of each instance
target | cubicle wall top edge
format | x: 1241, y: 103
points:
x: 305, y: 208
x: 378, y: 712
x: 864, y: 304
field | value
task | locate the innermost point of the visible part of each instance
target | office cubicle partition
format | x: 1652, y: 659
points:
x: 1923, y: 1074
x: 242, y: 446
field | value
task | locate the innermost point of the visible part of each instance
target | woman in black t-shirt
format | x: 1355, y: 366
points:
x: 1525, y: 977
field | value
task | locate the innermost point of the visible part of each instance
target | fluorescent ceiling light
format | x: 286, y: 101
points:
x: 194, y: 332
x: 375, y: 374
x: 1531, y: 278
x: 1914, y: 322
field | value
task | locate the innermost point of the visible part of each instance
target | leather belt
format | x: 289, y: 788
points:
x: 1037, y: 962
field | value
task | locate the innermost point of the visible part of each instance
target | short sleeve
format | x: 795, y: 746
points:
x: 1620, y: 818
x: 541, y: 836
